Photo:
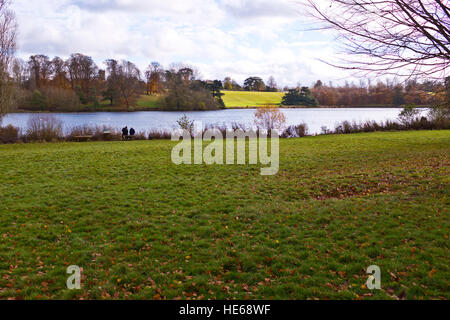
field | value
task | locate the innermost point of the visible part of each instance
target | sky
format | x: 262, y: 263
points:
x: 235, y: 38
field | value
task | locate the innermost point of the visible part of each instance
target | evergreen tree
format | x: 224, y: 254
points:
x: 300, y: 97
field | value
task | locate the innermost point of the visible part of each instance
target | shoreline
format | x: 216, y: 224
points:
x: 20, y: 111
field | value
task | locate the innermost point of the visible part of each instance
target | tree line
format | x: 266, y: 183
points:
x: 52, y: 84
x: 48, y: 84
x: 411, y: 92
x: 388, y: 93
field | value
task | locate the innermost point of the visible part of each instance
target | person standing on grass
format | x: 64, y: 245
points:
x: 132, y: 132
x: 125, y: 133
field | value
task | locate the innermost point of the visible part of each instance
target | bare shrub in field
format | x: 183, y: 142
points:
x: 140, y: 136
x: 423, y: 123
x: 408, y: 115
x: 239, y: 126
x: 269, y: 118
x: 80, y: 131
x: 222, y: 128
x: 44, y: 128
x: 9, y: 134
x: 160, y: 135
x: 298, y: 131
x: 440, y: 114
x: 96, y: 133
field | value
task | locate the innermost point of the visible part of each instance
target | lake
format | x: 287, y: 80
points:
x: 146, y: 121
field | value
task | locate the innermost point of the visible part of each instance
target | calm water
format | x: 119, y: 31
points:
x: 146, y: 121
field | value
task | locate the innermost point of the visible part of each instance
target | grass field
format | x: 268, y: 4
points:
x: 150, y: 102
x: 143, y: 228
x: 232, y: 99
x: 244, y: 99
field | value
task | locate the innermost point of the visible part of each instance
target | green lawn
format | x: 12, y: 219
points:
x: 144, y: 102
x: 232, y: 99
x: 150, y: 102
x: 251, y: 99
x: 141, y: 227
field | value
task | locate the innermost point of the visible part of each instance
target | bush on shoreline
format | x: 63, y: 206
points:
x: 9, y: 134
x: 97, y: 133
x: 44, y: 129
x: 49, y: 129
x: 298, y: 131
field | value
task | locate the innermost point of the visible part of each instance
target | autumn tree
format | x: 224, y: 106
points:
x: 154, y: 76
x: 40, y: 70
x: 123, y: 83
x: 59, y: 69
x: 185, y: 92
x: 228, y: 84
x: 269, y: 118
x: 129, y: 83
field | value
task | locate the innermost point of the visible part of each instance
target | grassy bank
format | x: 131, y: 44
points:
x: 141, y: 227
x: 249, y: 99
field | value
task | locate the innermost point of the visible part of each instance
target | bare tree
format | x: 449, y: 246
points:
x: 41, y: 70
x: 270, y: 118
x: 390, y: 37
x: 128, y: 84
x: 272, y: 84
x: 8, y: 33
x: 82, y: 71
x: 59, y: 68
x: 20, y: 72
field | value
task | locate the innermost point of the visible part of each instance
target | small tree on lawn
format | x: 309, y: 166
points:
x: 408, y: 115
x: 186, y: 124
x: 270, y: 118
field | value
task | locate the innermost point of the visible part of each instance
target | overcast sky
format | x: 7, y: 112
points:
x: 236, y: 38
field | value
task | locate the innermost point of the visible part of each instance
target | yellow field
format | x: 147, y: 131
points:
x: 247, y: 99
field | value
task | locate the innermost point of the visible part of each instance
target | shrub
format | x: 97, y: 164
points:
x: 298, y: 131
x: 186, y: 124
x: 38, y: 101
x: 269, y: 118
x: 239, y: 126
x: 373, y: 126
x: 44, y: 128
x: 223, y: 129
x: 9, y: 134
x: 439, y: 114
x: 325, y: 130
x: 408, y: 115
x: 98, y: 133
x: 160, y: 135
x: 61, y: 99
x: 51, y: 99
x: 140, y: 136
x: 186, y: 93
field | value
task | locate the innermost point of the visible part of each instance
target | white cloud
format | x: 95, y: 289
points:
x: 237, y: 38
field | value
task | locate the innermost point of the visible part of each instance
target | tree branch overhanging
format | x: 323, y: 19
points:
x: 395, y: 36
